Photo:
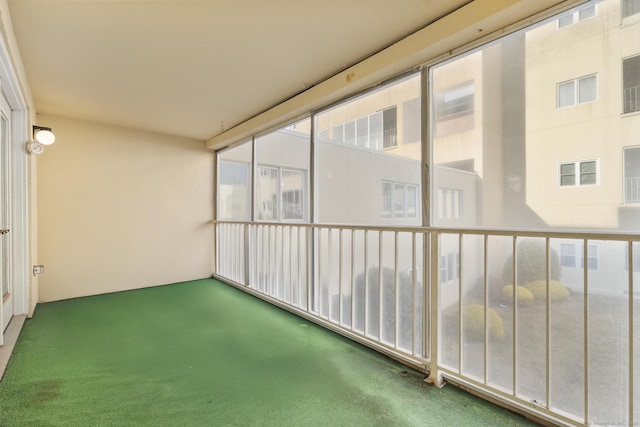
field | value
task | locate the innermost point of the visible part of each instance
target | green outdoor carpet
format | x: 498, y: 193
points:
x: 205, y: 354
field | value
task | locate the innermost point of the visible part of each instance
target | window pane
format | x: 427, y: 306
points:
x: 367, y: 185
x: 455, y: 102
x: 565, y: 21
x: 350, y: 133
x: 566, y: 94
x: 587, y: 12
x: 630, y: 7
x: 412, y: 201
x: 362, y: 132
x: 234, y: 188
x: 410, y: 116
x: 632, y: 175
x: 587, y: 173
x: 631, y: 84
x: 512, y: 163
x: 390, y: 127
x: 568, y: 174
x: 568, y: 255
x: 387, y: 199
x: 293, y: 187
x: 568, y: 169
x: 587, y: 89
x: 266, y: 191
x: 338, y: 133
x: 375, y: 130
x: 398, y: 201
x: 282, y: 158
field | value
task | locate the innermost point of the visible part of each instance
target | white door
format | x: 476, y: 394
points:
x: 5, y: 215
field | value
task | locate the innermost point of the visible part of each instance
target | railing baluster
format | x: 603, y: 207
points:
x: 413, y: 293
x: 548, y: 319
x: 397, y: 292
x: 631, y: 333
x: 460, y: 307
x: 353, y: 295
x: 340, y: 276
x: 514, y: 329
x: 366, y: 282
x: 586, y: 329
x: 380, y: 286
x: 485, y: 283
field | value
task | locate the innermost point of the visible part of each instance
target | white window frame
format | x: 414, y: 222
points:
x: 466, y: 89
x: 577, y: 173
x: 627, y: 179
x: 365, y: 139
x: 575, y: 16
x: 450, y: 203
x: 572, y: 256
x: 267, y: 205
x: 576, y: 91
x: 404, y: 212
x: 449, y: 267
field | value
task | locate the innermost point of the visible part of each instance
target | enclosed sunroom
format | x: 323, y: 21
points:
x: 462, y: 196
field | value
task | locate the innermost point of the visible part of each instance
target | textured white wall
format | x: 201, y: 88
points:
x: 121, y: 209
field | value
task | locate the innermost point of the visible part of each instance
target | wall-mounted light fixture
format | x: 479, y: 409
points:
x: 41, y: 136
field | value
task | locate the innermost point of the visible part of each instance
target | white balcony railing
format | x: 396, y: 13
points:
x: 559, y: 345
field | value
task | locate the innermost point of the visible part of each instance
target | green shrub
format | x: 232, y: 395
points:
x: 473, y: 323
x: 524, y: 295
x: 374, y: 309
x: 539, y: 290
x: 531, y: 264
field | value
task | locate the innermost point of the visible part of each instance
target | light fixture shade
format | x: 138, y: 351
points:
x: 44, y: 136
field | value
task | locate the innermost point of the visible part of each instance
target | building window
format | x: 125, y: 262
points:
x: 572, y: 256
x: 573, y: 174
x: 575, y: 16
x: 592, y: 257
x: 449, y: 266
x: 577, y: 91
x: 281, y: 192
x: 449, y: 203
x: 631, y: 84
x: 630, y: 7
x: 374, y: 131
x: 456, y: 102
x: 568, y: 255
x: 390, y: 127
x: 632, y: 175
x: 412, y: 201
x: 292, y: 189
x: 399, y: 200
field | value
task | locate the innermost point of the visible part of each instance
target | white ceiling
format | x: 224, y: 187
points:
x: 187, y: 67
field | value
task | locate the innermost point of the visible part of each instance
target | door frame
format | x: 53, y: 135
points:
x: 19, y: 169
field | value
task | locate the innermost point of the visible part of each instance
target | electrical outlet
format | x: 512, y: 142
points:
x: 38, y: 269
